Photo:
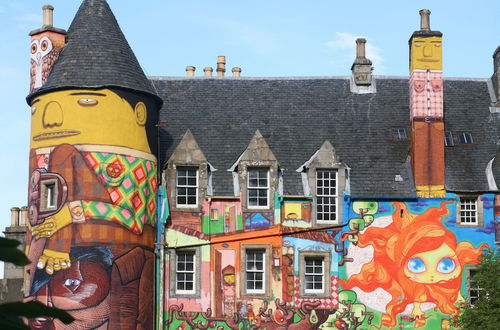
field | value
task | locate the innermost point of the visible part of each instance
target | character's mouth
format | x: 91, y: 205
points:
x: 427, y: 60
x: 55, y: 135
x: 39, y: 322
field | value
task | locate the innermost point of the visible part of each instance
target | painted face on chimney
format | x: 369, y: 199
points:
x: 426, y: 53
x: 98, y: 117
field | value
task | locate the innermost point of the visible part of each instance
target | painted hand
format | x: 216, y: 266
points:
x: 52, y: 224
x: 53, y: 261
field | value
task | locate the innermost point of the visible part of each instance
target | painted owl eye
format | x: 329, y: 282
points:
x: 446, y: 266
x: 33, y: 48
x: 87, y: 102
x: 44, y: 45
x: 416, y: 265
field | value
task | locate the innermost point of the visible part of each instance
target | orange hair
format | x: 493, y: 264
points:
x: 394, y: 245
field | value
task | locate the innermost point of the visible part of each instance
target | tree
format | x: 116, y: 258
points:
x: 11, y: 314
x: 483, y: 312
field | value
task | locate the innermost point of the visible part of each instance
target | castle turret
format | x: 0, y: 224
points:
x: 426, y: 109
x: 92, y: 191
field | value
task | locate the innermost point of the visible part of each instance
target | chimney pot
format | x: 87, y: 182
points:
x: 48, y: 15
x: 236, y: 72
x: 360, y: 47
x: 190, y: 71
x: 14, y: 216
x: 221, y: 66
x: 425, y: 22
x: 208, y: 71
x: 24, y: 216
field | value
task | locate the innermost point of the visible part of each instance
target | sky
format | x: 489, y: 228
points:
x: 264, y: 37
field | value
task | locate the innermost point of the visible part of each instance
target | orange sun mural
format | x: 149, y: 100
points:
x: 416, y: 260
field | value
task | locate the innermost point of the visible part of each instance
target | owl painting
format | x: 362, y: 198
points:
x: 45, y: 49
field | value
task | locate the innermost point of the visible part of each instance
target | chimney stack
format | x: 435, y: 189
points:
x: 190, y: 71
x: 236, y: 72
x: 362, y: 67
x: 208, y: 71
x: 48, y: 16
x: 425, y: 22
x: 14, y: 216
x: 24, y: 216
x: 221, y: 66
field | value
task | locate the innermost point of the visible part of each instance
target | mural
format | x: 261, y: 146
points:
x: 44, y: 51
x: 92, y: 208
x: 407, y: 263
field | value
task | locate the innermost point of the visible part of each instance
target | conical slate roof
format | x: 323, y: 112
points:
x: 96, y: 55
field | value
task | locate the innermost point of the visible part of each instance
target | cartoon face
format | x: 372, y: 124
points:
x: 98, y: 117
x: 435, y: 266
x: 82, y: 290
x: 426, y: 53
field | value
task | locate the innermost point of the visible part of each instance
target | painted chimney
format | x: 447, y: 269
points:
x: 221, y: 66
x: 495, y: 78
x: 190, y: 71
x: 426, y: 110
x: 208, y: 71
x: 236, y: 72
x: 48, y: 16
x: 14, y: 216
x: 47, y: 43
x: 362, y: 67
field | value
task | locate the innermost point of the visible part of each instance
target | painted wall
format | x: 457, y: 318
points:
x: 92, y: 208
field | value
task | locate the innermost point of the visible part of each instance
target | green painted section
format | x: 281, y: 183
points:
x: 211, y: 227
x: 239, y: 222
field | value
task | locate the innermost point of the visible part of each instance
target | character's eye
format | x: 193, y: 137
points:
x: 418, y: 45
x: 87, y: 102
x: 44, y: 45
x: 446, y: 266
x: 72, y: 284
x: 416, y: 265
x: 437, y: 45
x: 33, y: 110
x: 33, y: 48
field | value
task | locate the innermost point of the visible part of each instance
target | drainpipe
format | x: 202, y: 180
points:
x: 162, y: 215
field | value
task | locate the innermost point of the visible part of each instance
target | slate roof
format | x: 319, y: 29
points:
x: 96, y: 55
x: 296, y: 115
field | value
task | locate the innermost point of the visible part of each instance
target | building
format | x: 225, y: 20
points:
x: 283, y: 203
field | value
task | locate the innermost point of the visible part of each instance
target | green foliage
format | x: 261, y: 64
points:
x: 11, y: 313
x: 484, y: 313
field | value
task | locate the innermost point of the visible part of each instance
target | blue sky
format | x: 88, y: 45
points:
x: 263, y: 37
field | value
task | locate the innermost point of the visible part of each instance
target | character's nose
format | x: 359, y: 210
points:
x: 52, y: 115
x: 427, y: 51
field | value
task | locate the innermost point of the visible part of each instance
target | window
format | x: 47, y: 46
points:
x: 448, y: 139
x: 465, y: 138
x: 468, y: 211
x: 258, y: 187
x: 314, y: 277
x: 187, y: 186
x: 255, y: 271
x: 474, y: 288
x: 399, y: 133
x: 185, y: 272
x: 49, y: 195
x: 214, y: 214
x: 326, y: 196
x: 314, y: 274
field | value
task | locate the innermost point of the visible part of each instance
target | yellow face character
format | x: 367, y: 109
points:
x: 82, y: 116
x: 426, y: 53
x: 435, y: 266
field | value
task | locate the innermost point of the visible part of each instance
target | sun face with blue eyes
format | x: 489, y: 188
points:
x: 435, y: 266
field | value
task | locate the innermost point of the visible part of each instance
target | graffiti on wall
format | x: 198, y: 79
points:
x: 44, y: 51
x: 409, y: 263
x: 92, y: 208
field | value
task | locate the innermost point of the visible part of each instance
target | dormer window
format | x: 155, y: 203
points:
x: 399, y: 133
x: 258, y: 187
x: 326, y: 195
x: 187, y: 186
x: 465, y: 138
x: 448, y: 139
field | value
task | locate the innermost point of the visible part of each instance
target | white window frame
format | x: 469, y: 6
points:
x: 472, y: 286
x: 186, y: 272
x: 468, y: 211
x: 186, y: 186
x: 325, y: 257
x: 319, y: 196
x: 314, y: 274
x: 258, y: 187
x: 263, y: 271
